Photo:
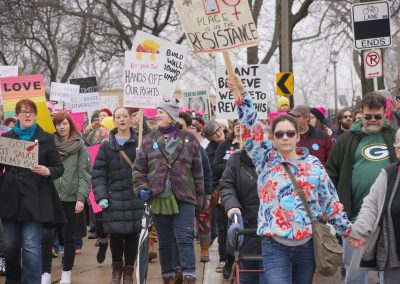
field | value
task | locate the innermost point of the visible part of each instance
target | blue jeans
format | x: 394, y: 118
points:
x: 252, y: 278
x: 351, y: 259
x: 287, y: 265
x: 25, y: 237
x: 182, y: 225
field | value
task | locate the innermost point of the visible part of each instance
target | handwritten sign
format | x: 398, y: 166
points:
x: 88, y: 98
x: 110, y: 102
x: 8, y: 71
x: 63, y: 92
x: 197, y: 100
x: 213, y: 25
x: 255, y: 81
x: 18, y: 153
x: 152, y: 69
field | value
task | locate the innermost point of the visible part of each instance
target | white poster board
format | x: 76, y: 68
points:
x: 88, y: 98
x: 7, y: 71
x: 255, y: 81
x: 197, y: 100
x: 19, y: 153
x: 213, y: 25
x: 110, y: 102
x: 152, y: 69
x: 63, y: 92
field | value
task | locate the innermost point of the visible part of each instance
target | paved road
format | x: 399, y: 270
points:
x: 88, y: 271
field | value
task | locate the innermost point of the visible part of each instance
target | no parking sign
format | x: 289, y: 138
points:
x: 373, y: 63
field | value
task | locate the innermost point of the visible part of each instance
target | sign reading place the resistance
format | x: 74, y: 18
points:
x: 284, y: 83
x: 371, y: 25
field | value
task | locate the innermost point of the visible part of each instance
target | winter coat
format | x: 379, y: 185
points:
x: 185, y: 168
x: 206, y: 171
x: 375, y: 217
x: 340, y: 162
x: 318, y: 143
x: 224, y: 150
x: 281, y: 212
x: 112, y: 180
x: 238, y: 189
x: 74, y: 184
x: 29, y: 197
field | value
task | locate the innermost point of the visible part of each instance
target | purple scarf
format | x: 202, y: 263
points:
x: 170, y: 130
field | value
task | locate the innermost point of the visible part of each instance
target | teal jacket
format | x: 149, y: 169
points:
x: 74, y: 184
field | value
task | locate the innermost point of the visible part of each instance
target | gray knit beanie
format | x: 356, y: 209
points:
x: 210, y: 128
x: 171, y: 107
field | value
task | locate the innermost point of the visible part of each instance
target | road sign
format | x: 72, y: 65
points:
x: 373, y: 63
x: 284, y: 83
x: 371, y: 25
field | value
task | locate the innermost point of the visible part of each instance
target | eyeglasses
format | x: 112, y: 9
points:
x: 280, y: 134
x: 170, y: 100
x: 375, y: 116
x: 347, y: 116
x: 29, y: 113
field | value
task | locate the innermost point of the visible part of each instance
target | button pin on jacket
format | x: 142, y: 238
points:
x: 155, y: 145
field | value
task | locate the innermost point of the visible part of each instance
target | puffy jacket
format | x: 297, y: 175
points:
x: 112, y: 180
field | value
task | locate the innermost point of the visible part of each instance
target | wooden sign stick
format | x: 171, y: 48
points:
x: 140, y: 121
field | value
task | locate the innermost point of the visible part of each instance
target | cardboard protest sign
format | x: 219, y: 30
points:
x: 213, y: 25
x: 79, y: 119
x: 152, y: 69
x: 197, y: 100
x: 255, y: 81
x: 88, y: 98
x: 8, y: 71
x: 18, y: 153
x: 63, y: 92
x: 30, y: 87
x: 110, y: 102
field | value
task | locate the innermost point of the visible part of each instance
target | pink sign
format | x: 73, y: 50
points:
x: 79, y: 118
x: 93, y: 150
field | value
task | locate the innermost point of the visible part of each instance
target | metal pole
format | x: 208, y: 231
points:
x: 375, y: 80
x: 335, y: 82
x: 284, y: 41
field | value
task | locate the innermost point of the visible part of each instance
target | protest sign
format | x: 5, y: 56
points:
x: 93, y: 150
x: 63, y: 92
x: 152, y: 68
x: 197, y: 100
x: 8, y: 71
x: 110, y: 102
x: 88, y: 98
x: 212, y: 25
x: 254, y: 79
x: 18, y: 153
x: 30, y: 87
x: 79, y: 119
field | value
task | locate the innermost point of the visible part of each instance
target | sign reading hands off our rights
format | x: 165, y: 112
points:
x: 18, y: 153
x: 152, y: 69
x: 217, y: 25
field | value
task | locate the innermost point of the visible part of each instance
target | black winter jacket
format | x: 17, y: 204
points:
x: 29, y: 197
x: 112, y: 180
x: 238, y: 189
x: 221, y: 157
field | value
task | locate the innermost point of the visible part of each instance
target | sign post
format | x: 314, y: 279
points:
x: 371, y: 25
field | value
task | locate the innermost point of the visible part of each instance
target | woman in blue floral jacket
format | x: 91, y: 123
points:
x: 287, y: 247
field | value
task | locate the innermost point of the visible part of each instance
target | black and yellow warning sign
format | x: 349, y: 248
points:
x: 284, y: 84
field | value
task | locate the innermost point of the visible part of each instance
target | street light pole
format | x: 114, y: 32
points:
x: 334, y: 60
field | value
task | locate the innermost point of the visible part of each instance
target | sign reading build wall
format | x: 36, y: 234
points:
x: 24, y: 154
x: 30, y: 87
x: 214, y: 25
x: 152, y: 68
x: 255, y: 81
x: 197, y: 100
x: 88, y: 98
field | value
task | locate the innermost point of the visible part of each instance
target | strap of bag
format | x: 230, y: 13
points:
x: 126, y: 158
x: 299, y: 191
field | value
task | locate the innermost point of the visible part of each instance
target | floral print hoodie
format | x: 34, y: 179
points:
x: 281, y: 212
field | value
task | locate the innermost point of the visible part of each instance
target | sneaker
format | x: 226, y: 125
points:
x: 46, y: 278
x: 65, y: 277
x: 227, y: 270
x: 2, y: 265
x: 101, y: 253
x: 220, y: 267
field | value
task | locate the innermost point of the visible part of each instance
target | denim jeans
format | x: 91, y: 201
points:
x: 182, y: 225
x: 252, y: 278
x: 23, y: 238
x: 351, y: 259
x: 287, y: 265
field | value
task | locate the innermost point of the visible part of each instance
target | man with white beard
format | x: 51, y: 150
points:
x: 344, y: 122
x: 353, y: 165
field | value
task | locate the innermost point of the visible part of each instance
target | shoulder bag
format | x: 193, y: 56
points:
x: 327, y: 251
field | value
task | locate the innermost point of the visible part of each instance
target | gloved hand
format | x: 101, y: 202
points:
x: 103, y: 203
x: 235, y: 226
x: 145, y: 194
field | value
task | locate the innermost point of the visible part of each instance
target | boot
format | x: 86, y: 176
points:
x: 169, y: 280
x: 128, y: 272
x: 116, y: 272
x: 152, y: 252
x: 204, y: 256
x: 189, y: 280
x: 101, y: 253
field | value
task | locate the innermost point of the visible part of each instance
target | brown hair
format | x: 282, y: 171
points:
x: 284, y: 117
x: 25, y: 102
x: 60, y: 117
x: 340, y: 115
x: 373, y: 100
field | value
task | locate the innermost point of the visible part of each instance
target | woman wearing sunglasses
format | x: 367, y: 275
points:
x: 287, y: 248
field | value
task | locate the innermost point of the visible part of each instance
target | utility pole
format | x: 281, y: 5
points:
x: 335, y: 59
x: 284, y: 41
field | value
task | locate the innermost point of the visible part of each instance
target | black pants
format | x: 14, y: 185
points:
x: 124, y: 245
x: 222, y: 224
x: 68, y: 236
x: 2, y: 239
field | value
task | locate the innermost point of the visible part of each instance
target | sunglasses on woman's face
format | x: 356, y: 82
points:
x: 370, y: 116
x: 279, y: 134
